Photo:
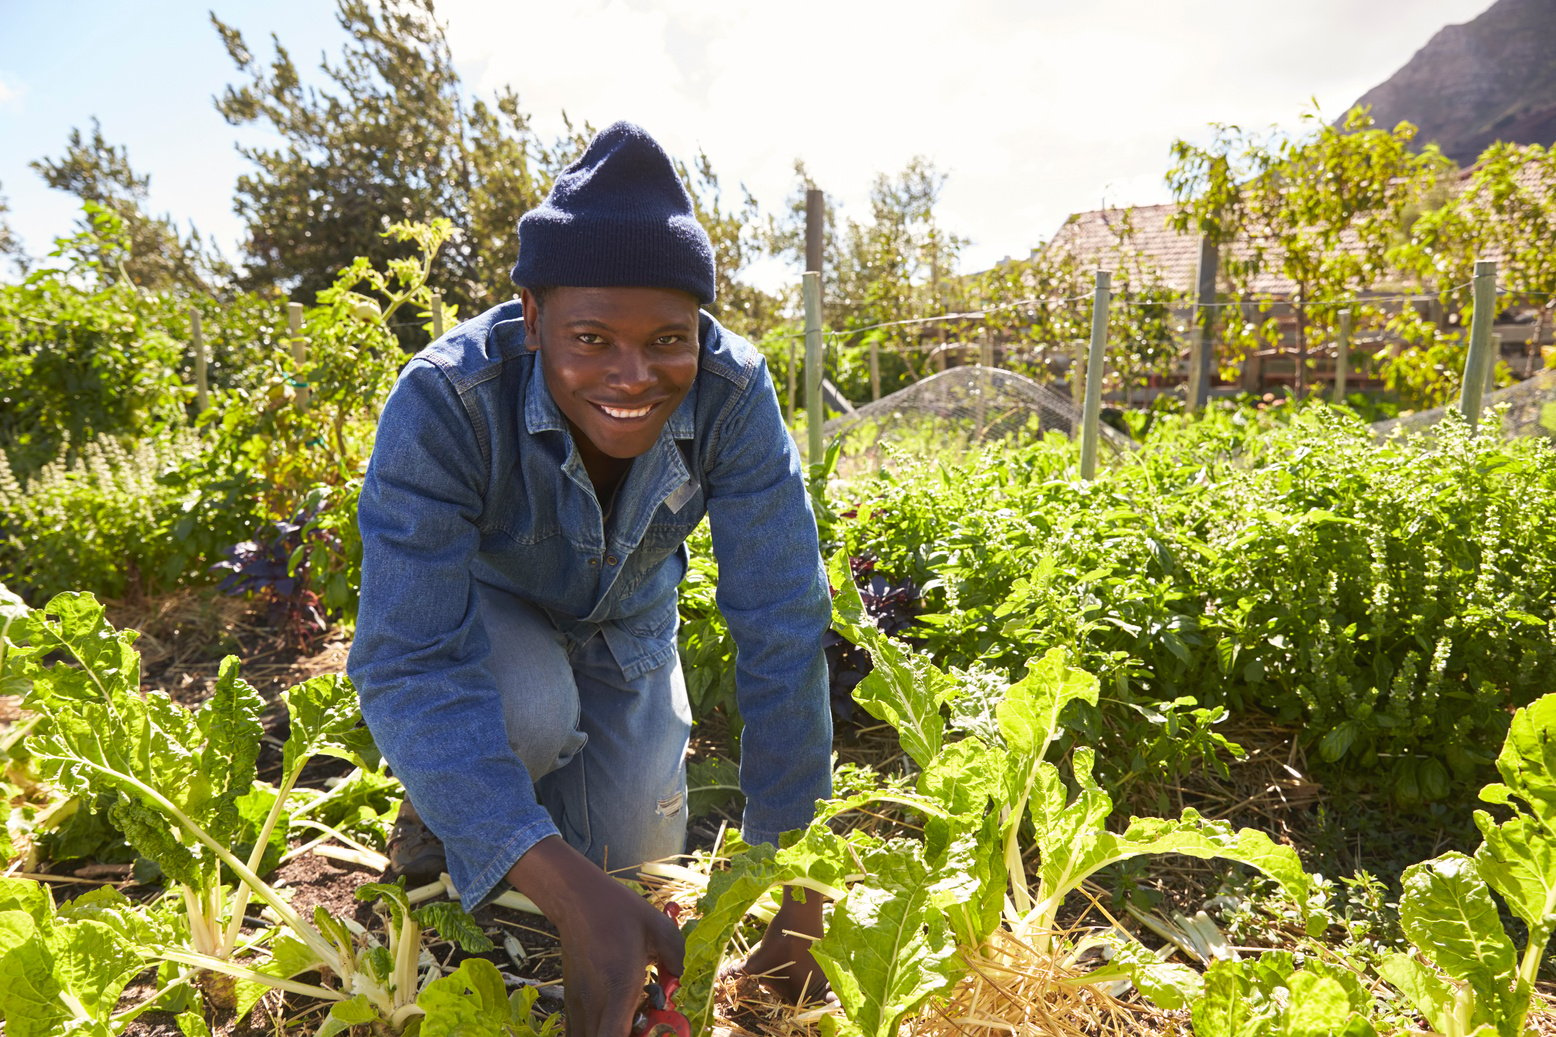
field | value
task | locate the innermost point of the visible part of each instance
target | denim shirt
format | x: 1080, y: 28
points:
x: 475, y: 477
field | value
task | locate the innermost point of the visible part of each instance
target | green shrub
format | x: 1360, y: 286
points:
x: 1392, y: 598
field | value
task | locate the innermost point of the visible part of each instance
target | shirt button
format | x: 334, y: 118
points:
x: 611, y: 559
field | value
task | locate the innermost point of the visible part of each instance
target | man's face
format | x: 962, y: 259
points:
x: 618, y: 361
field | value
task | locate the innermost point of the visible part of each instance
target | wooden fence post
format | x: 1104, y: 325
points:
x: 197, y: 336
x: 794, y: 368
x: 1078, y: 372
x: 1342, y: 356
x: 1489, y: 382
x: 437, y: 314
x: 816, y: 409
x: 875, y: 370
x: 1201, y: 348
x: 985, y: 380
x: 294, y: 328
x: 1091, y: 417
x: 1472, y: 392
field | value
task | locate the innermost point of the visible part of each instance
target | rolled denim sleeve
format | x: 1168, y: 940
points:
x: 418, y: 660
x: 772, y: 591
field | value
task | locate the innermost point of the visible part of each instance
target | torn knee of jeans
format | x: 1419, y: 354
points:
x: 671, y: 805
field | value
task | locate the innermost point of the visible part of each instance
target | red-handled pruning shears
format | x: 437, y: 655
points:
x: 660, y: 1019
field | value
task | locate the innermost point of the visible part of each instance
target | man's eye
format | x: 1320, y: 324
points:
x: 590, y: 339
x: 669, y: 340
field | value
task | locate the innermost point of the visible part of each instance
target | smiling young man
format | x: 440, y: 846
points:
x: 535, y: 476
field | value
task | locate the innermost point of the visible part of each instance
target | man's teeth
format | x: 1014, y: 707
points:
x: 621, y: 412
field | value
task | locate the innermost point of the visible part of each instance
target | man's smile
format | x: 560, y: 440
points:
x: 625, y: 413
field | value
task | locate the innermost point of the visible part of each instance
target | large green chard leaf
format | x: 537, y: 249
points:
x: 729, y: 896
x: 76, y: 626
x: 105, y: 736
x: 472, y: 1001
x: 1527, y: 762
x: 966, y: 775
x: 904, y: 688
x: 29, y: 993
x: 968, y: 873
x: 93, y: 962
x: 1518, y: 860
x: 1518, y: 856
x: 67, y: 967
x: 1434, y: 997
x: 1064, y: 868
x: 1029, y: 714
x: 1448, y: 913
x: 230, y: 727
x: 325, y: 719
x: 888, y: 946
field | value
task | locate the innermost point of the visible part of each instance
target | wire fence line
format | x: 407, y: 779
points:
x: 1128, y: 299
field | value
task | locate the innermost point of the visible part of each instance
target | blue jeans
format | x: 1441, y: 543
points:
x: 607, y: 754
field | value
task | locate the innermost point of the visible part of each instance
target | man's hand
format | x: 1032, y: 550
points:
x: 609, y: 936
x: 782, y: 961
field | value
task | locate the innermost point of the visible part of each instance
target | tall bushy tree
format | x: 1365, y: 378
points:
x: 391, y: 136
x: 151, y: 252
x: 384, y: 142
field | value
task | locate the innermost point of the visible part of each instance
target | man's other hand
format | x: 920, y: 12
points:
x: 609, y: 935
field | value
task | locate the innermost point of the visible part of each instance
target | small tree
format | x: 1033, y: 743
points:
x: 150, y: 250
x: 1322, y: 209
x: 896, y: 266
x: 10, y: 245
x: 1505, y: 210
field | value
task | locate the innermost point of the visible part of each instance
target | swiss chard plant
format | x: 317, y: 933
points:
x: 62, y: 970
x: 1271, y: 997
x: 912, y: 914
x: 182, y: 784
x: 1474, y: 981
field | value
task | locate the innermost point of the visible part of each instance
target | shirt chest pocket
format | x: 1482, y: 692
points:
x: 670, y: 526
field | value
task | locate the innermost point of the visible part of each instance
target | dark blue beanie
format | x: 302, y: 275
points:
x: 618, y: 217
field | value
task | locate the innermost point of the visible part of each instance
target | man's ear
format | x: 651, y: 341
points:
x: 531, y: 319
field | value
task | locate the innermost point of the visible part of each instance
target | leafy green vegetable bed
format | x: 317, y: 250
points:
x: 1394, y: 598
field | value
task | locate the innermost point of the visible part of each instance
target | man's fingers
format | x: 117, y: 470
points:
x: 621, y: 1006
x: 669, y: 946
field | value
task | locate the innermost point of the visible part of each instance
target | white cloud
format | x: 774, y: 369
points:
x: 12, y: 90
x: 1036, y: 109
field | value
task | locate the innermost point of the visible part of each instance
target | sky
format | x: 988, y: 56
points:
x: 1034, y: 109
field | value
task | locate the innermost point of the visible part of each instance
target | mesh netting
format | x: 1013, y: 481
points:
x: 957, y: 409
x: 1531, y: 410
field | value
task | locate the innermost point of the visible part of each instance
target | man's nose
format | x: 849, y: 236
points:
x: 633, y: 372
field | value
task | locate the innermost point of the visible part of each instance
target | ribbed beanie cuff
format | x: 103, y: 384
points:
x: 618, y: 217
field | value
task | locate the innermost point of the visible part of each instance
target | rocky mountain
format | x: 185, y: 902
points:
x: 1490, y: 79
